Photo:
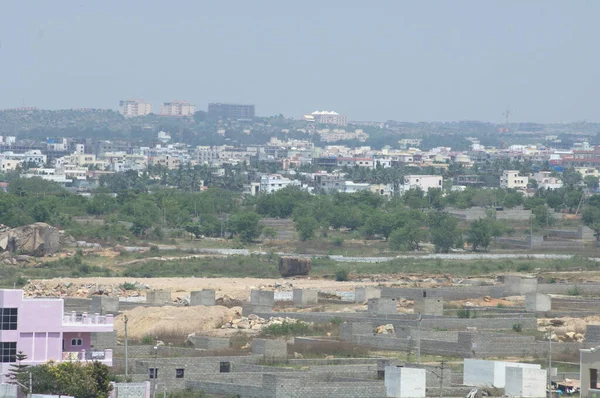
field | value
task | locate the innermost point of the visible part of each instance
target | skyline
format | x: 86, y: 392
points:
x: 431, y: 61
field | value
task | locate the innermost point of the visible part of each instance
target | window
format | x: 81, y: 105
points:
x: 8, y: 319
x: 594, y: 378
x: 153, y: 373
x: 76, y: 342
x: 179, y: 373
x: 225, y: 367
x: 8, y: 352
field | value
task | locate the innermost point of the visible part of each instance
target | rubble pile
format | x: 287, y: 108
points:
x: 82, y: 290
x: 8, y: 258
x: 283, y: 286
x: 254, y: 322
x: 564, y: 329
x: 385, y: 329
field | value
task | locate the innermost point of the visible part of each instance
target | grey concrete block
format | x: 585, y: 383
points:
x: 429, y: 306
x: 362, y: 294
x: 536, y: 302
x: 203, y: 297
x: 262, y: 298
x: 303, y: 297
x: 104, y: 305
x: 272, y: 350
x: 381, y: 306
x: 158, y: 297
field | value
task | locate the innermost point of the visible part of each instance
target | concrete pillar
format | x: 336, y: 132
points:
x: 262, y: 297
x: 104, y: 305
x: 362, y: 294
x: 404, y: 382
x: 304, y: 297
x: 525, y: 382
x: 159, y: 297
x: 536, y: 302
x: 203, y: 297
x: 350, y: 329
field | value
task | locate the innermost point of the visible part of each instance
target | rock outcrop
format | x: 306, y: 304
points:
x: 37, y: 239
x: 290, y: 266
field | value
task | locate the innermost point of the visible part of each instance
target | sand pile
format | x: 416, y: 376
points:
x: 178, y: 320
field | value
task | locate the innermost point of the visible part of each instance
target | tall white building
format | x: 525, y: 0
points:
x: 326, y: 117
x: 133, y: 108
x: 274, y: 182
x: 177, y: 108
x: 512, y: 180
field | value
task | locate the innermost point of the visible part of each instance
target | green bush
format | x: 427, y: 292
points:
x: 128, y: 286
x: 286, y: 329
x: 517, y: 327
x: 147, y: 340
x: 574, y: 291
x: 341, y: 275
x: 466, y: 313
x: 338, y: 241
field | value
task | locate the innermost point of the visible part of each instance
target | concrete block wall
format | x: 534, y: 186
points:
x: 585, y: 289
x: 248, y: 309
x: 204, y: 297
x: 271, y: 350
x: 429, y: 306
x: 102, y: 341
x: 209, y: 343
x: 518, y: 285
x: 448, y: 293
x: 382, y: 305
x: 433, y: 373
x: 348, y: 330
x: 263, y: 298
x: 302, y: 297
x: 158, y: 297
x: 362, y: 294
x: 592, y: 334
x: 536, y: 302
x: 104, y: 305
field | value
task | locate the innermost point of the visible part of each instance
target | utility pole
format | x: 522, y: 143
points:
x: 550, y: 363
x: 442, y: 363
x: 155, y: 373
x: 419, y: 319
x: 125, y: 320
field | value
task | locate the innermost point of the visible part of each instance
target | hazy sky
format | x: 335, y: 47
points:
x: 371, y: 60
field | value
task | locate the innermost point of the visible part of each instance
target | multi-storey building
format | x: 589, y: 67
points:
x: 326, y: 117
x: 133, y: 108
x: 423, y: 182
x: 42, y: 331
x: 177, y: 108
x: 274, y: 182
x: 511, y: 179
x: 230, y: 111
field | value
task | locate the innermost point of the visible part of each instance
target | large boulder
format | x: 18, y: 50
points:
x: 290, y: 266
x: 36, y: 239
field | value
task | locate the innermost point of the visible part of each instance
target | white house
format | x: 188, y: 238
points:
x: 424, y: 182
x: 511, y: 179
x: 274, y: 182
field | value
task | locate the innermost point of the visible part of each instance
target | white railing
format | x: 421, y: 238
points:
x: 87, y: 319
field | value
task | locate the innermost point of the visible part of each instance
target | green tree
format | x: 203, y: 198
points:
x: 591, y: 218
x: 19, y: 370
x: 408, y: 237
x: 306, y: 227
x: 592, y: 182
x: 482, y: 232
x: 270, y: 233
x: 443, y: 230
x: 245, y: 225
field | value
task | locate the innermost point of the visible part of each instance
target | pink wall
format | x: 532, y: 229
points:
x: 85, y: 337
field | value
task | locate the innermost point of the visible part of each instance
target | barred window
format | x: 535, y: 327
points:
x: 8, y: 352
x: 8, y: 318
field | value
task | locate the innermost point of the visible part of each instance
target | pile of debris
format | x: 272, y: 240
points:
x: 385, y: 329
x: 8, y: 258
x: 564, y: 329
x: 254, y: 322
x: 82, y: 290
x: 283, y: 286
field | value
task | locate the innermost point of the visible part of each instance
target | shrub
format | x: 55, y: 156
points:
x: 147, y: 340
x: 524, y: 268
x: 500, y: 305
x: 153, y: 249
x: 465, y: 313
x: 341, y: 275
x: 286, y: 329
x: 338, y: 241
x: 128, y: 286
x: 336, y: 320
x: 574, y: 291
x: 517, y: 327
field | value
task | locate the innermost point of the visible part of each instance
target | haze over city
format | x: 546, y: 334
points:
x: 413, y: 61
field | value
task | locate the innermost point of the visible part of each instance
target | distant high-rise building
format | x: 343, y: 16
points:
x: 133, y: 108
x: 326, y: 117
x: 230, y: 111
x: 177, y: 108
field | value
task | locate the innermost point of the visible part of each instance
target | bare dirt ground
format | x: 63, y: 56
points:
x: 236, y: 288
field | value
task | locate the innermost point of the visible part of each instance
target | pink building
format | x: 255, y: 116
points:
x: 41, y: 329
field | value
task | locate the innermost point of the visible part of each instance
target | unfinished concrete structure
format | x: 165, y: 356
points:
x: 537, y: 302
x: 404, y: 382
x: 204, y: 297
x: 525, y: 382
x: 158, y: 297
x: 482, y: 373
x: 429, y: 306
x: 303, y: 297
x: 209, y: 343
x: 262, y: 298
x: 519, y: 285
x: 104, y: 305
x: 589, y: 371
x: 348, y: 330
x: 362, y: 294
x: 381, y: 306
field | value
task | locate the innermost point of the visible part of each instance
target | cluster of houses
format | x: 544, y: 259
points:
x: 77, y: 163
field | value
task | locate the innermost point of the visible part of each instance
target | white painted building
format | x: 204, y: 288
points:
x: 133, y: 108
x: 424, y: 182
x: 525, y: 382
x: 274, y: 182
x: 479, y: 372
x: 403, y: 382
x: 546, y: 181
x: 511, y: 179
